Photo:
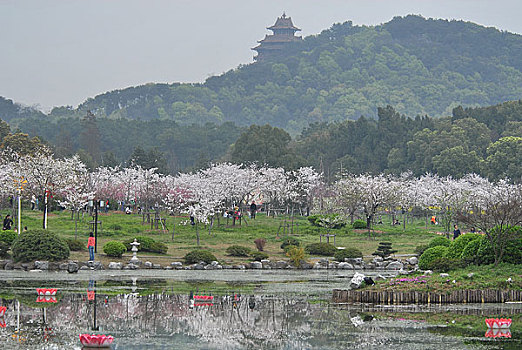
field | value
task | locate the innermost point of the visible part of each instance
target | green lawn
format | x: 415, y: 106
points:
x: 118, y: 226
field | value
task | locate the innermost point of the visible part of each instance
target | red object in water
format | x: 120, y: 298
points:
x: 498, y: 322
x: 203, y: 304
x: 96, y: 340
x: 46, y: 291
x: 203, y: 297
x: 46, y: 299
x: 2, y: 311
x: 497, y: 333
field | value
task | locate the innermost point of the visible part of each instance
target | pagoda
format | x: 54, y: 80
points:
x: 273, y: 45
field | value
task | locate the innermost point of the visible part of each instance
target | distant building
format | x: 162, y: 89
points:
x: 273, y: 45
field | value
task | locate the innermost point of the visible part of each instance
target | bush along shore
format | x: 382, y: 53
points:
x: 458, y: 271
x: 472, y: 284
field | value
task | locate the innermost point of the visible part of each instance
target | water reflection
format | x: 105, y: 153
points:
x: 156, y: 315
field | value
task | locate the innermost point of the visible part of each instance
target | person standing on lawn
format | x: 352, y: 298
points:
x: 90, y: 245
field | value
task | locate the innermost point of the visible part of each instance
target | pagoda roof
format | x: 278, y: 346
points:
x: 284, y: 22
x: 279, y: 39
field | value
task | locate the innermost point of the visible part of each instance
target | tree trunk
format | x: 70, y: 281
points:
x: 197, y: 234
x: 45, y: 210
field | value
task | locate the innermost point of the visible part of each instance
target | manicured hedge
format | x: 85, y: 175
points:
x: 347, y: 253
x: 198, y: 255
x: 323, y: 249
x: 114, y: 249
x: 430, y: 255
x: 39, y: 245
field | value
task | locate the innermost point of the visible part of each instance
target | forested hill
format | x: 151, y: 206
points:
x: 419, y: 66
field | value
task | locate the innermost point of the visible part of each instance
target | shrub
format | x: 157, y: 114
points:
x: 288, y: 247
x: 457, y: 246
x: 198, y: 255
x: 348, y: 253
x: 158, y: 247
x: 512, y: 251
x: 290, y: 241
x: 384, y: 250
x: 260, y: 244
x: 323, y: 249
x: 258, y: 256
x: 430, y: 255
x: 420, y: 249
x: 359, y: 224
x: 237, y: 250
x: 439, y: 241
x: 114, y: 249
x: 470, y: 251
x: 75, y: 245
x: 4, y: 247
x: 445, y: 264
x: 312, y: 219
x: 8, y: 236
x: 296, y: 255
x: 39, y: 245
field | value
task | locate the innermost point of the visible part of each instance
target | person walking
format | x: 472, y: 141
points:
x: 90, y: 245
x: 253, y: 209
x: 7, y: 222
x: 456, y: 232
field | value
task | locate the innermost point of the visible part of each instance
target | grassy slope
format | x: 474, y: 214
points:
x: 117, y: 226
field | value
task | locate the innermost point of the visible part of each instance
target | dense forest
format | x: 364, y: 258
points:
x: 410, y: 94
x: 419, y: 66
x: 483, y: 140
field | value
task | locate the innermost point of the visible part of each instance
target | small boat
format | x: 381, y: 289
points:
x: 498, y: 322
x: 96, y: 340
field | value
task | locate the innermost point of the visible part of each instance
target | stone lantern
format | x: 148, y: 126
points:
x: 134, y: 250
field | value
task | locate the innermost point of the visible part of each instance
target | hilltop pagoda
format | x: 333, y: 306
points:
x: 273, y: 45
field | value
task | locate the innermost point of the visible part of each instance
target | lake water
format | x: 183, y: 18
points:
x: 249, y: 310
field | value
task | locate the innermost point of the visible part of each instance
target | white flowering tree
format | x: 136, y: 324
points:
x: 495, y: 209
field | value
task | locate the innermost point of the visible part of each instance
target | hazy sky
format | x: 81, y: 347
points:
x: 62, y: 52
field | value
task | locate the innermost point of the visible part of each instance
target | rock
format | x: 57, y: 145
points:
x: 377, y: 259
x: 323, y: 261
x: 42, y: 265
x: 395, y: 265
x: 227, y: 267
x: 319, y: 266
x: 214, y: 263
x: 413, y: 260
x: 281, y: 264
x: 354, y: 261
x: 404, y: 272
x: 379, y: 278
x: 176, y: 264
x: 27, y: 266
x: 428, y: 272
x: 63, y: 266
x: 265, y: 261
x: 305, y: 266
x: 2, y: 263
x: 115, y: 265
x: 356, y: 280
x: 345, y: 266
x: 147, y: 265
x: 168, y: 268
x: 210, y: 267
x: 84, y: 267
x: 199, y: 267
x: 72, y: 267
x: 256, y: 265
x: 332, y: 266
x: 444, y: 275
x: 35, y: 270
x: 156, y: 266
x: 219, y: 267
x: 9, y: 265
